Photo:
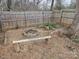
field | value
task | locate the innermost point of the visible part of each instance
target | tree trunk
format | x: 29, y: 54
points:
x: 75, y: 24
x: 58, y: 4
x: 52, y: 5
x: 73, y: 30
x: 77, y: 6
x: 8, y: 5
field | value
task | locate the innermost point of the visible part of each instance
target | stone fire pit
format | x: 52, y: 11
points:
x: 31, y: 33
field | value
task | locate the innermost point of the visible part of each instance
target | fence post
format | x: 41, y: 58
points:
x: 25, y: 19
x: 0, y: 26
x: 61, y: 12
x: 16, y: 23
x: 43, y: 16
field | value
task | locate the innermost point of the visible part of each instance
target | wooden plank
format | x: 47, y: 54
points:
x: 34, y: 39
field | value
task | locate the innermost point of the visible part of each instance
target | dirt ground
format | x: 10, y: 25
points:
x: 58, y: 47
x: 18, y: 34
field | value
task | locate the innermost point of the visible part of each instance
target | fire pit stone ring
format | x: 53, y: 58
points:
x: 31, y: 33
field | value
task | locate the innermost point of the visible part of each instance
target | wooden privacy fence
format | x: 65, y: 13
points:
x: 64, y: 16
x: 10, y: 20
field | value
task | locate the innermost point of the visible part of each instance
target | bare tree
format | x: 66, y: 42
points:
x: 77, y: 6
x: 58, y: 4
x: 73, y: 4
x: 38, y: 1
x: 0, y: 1
x: 8, y: 5
x: 52, y: 5
x: 75, y: 24
x: 73, y: 30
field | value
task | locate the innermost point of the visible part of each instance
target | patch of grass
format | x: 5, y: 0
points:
x: 52, y: 25
x: 76, y: 39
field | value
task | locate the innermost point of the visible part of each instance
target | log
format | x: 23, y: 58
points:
x: 33, y: 39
